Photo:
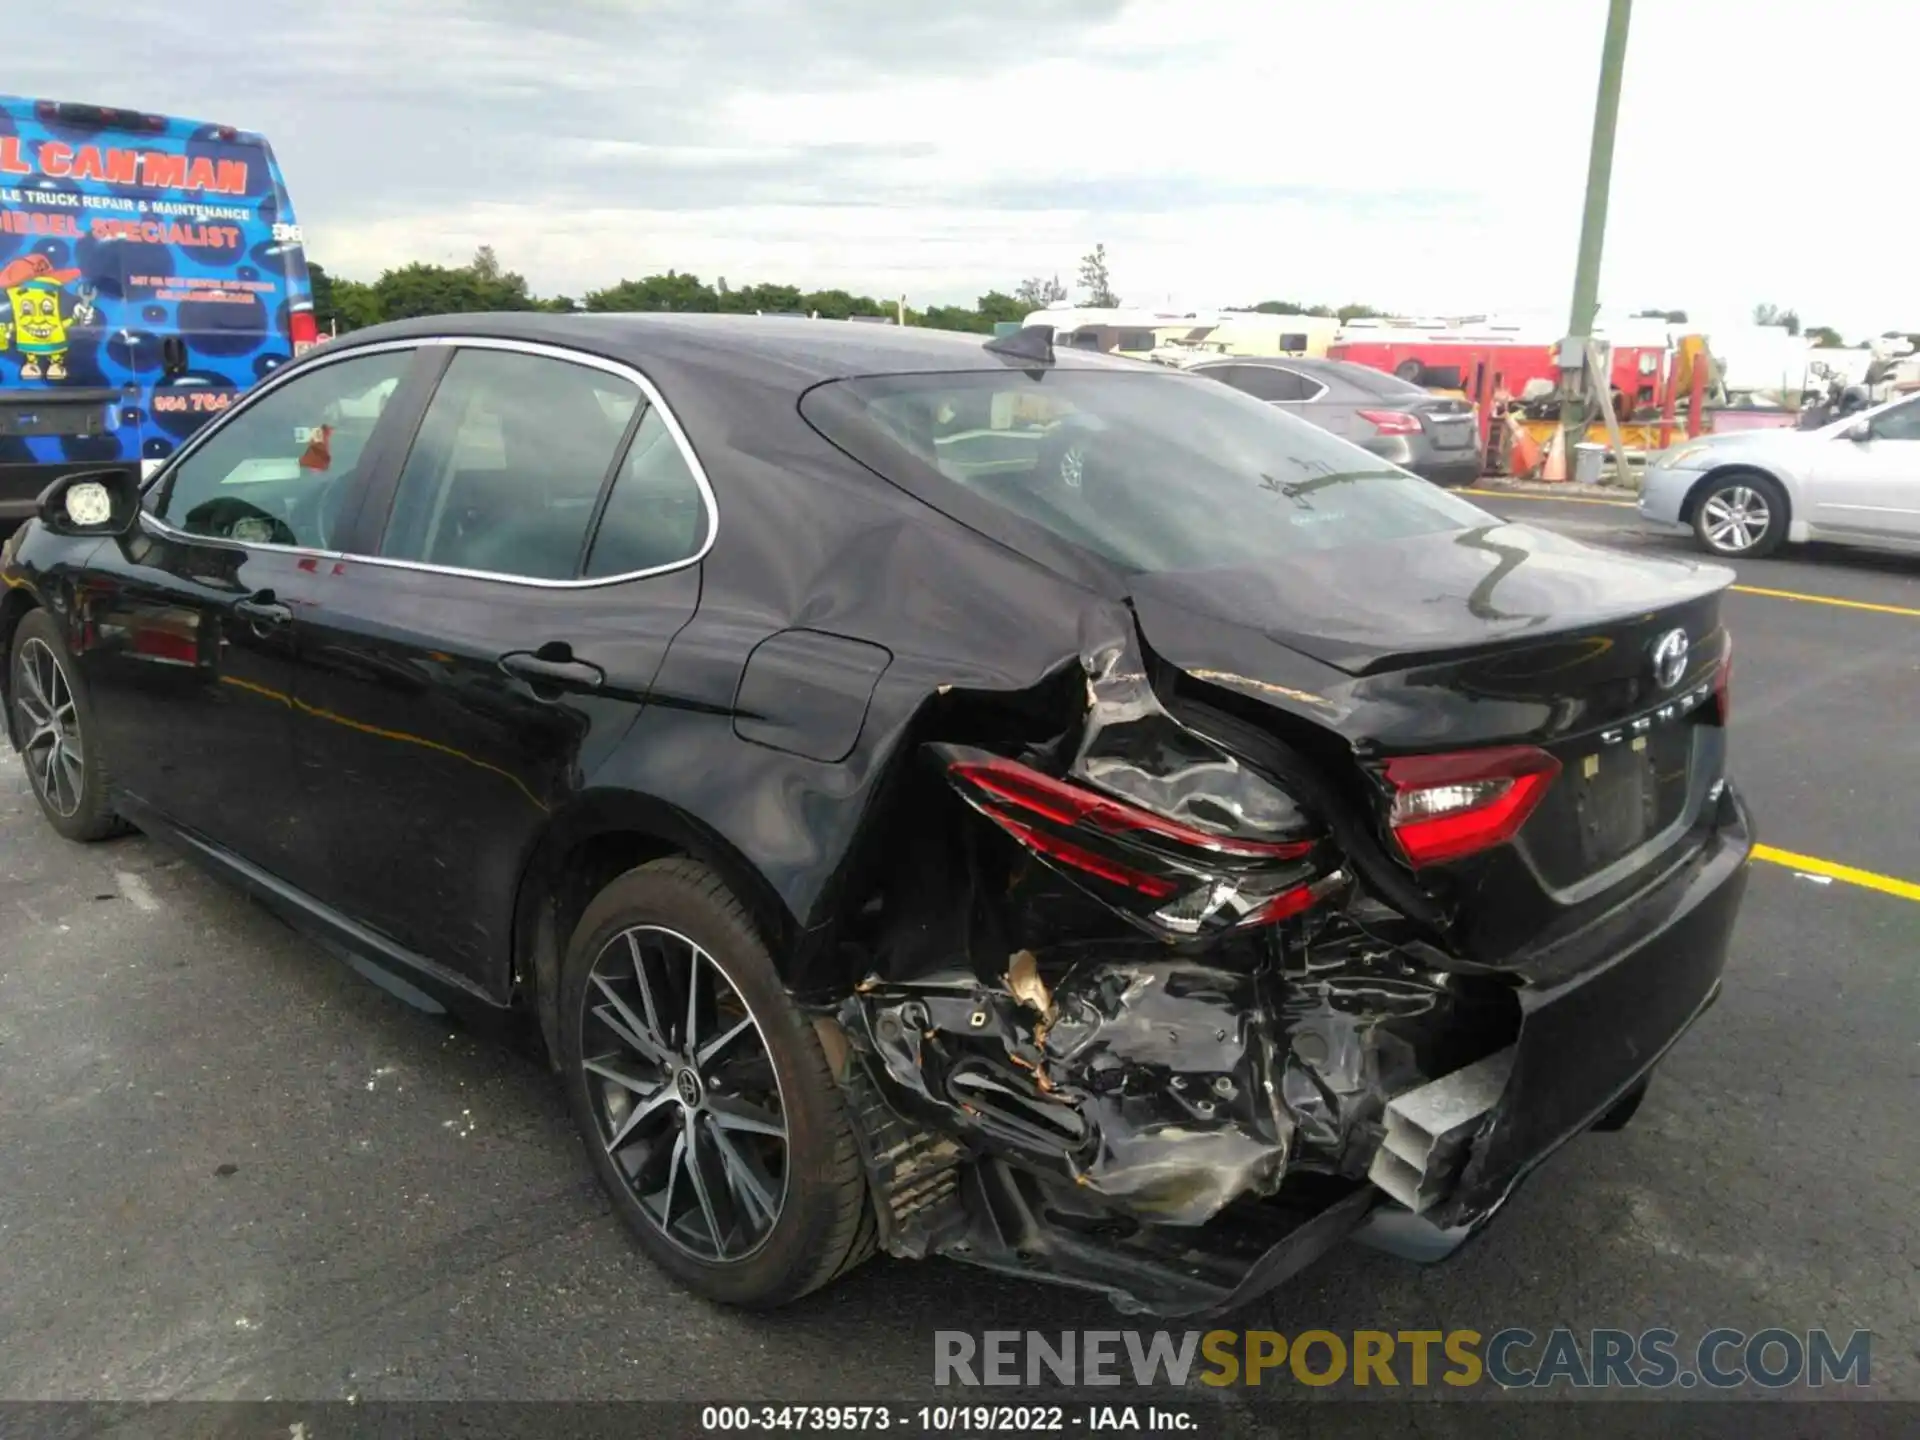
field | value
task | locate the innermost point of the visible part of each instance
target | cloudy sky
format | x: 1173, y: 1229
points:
x: 1413, y: 155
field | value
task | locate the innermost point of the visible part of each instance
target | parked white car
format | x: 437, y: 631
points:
x: 1747, y: 493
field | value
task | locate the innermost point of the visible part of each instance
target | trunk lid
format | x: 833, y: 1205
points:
x: 1496, y: 637
x: 1451, y: 424
x: 1455, y: 595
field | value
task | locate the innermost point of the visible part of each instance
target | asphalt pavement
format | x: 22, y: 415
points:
x: 230, y: 1168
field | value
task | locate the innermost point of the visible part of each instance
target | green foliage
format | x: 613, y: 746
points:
x: 422, y: 289
x: 340, y: 305
x: 776, y: 299
x: 1825, y: 336
x: 994, y: 308
x: 1789, y: 320
x: 321, y: 283
x: 1672, y: 317
x: 1328, y: 312
x: 838, y: 304
x: 671, y: 291
x: 949, y: 317
x: 355, y: 305
x: 1095, y: 280
x: 1037, y: 292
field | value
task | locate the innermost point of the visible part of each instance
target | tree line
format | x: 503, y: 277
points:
x: 483, y: 284
x: 407, y: 291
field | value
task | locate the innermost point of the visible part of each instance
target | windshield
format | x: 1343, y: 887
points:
x: 1151, y: 471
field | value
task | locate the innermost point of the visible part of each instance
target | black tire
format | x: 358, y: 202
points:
x: 72, y: 791
x: 1740, y: 514
x: 823, y: 1227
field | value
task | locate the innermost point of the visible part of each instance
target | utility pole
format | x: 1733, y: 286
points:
x: 1593, y: 233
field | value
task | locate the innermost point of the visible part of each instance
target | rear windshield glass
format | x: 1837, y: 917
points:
x: 1150, y: 471
x: 1378, y: 382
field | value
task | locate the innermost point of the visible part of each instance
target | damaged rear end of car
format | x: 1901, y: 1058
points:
x: 1315, y: 896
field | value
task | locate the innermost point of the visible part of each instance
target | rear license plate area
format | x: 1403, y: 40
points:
x: 1611, y: 804
x: 1625, y: 794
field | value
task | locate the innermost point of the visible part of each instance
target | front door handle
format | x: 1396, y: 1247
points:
x: 553, y: 665
x: 260, y: 608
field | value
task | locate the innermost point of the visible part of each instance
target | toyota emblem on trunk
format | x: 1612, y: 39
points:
x: 1670, y: 658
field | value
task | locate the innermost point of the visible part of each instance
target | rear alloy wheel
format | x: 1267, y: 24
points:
x: 703, y: 1093
x: 1741, y: 515
x: 684, y: 1093
x: 51, y: 721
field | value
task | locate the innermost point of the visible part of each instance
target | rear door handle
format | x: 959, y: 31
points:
x: 260, y: 608
x: 550, y: 669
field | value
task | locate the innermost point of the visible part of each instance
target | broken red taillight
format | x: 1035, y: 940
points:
x: 1154, y: 887
x: 1171, y: 877
x: 1068, y: 804
x: 1446, y: 807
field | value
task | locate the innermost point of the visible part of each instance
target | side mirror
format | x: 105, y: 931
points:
x: 1860, y: 431
x: 92, y: 502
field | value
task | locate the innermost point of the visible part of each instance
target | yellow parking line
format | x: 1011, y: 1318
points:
x: 1559, y: 499
x: 1866, y: 879
x: 1828, y: 600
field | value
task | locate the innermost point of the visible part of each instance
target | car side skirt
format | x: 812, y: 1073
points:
x: 420, y: 982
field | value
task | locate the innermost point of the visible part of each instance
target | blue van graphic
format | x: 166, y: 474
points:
x: 150, y: 270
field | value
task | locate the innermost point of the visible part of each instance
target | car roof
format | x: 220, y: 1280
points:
x: 810, y: 350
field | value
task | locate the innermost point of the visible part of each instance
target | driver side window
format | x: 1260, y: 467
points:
x: 277, y: 472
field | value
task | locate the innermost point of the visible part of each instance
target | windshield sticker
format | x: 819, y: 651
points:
x: 319, y: 452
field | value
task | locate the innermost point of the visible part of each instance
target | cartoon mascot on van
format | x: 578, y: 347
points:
x: 38, y: 329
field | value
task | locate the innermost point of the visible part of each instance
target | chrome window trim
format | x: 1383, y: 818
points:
x: 626, y: 372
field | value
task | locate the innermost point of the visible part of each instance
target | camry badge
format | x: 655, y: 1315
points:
x: 1670, y: 658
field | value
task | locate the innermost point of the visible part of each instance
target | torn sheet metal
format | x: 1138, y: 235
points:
x: 1362, y: 1021
x: 1143, y: 1081
x: 1131, y: 747
x: 1172, y: 1066
x: 1153, y: 1085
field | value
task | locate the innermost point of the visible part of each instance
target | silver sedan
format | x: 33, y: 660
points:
x: 1746, y: 494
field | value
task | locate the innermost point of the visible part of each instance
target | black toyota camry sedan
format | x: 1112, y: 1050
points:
x: 920, y: 793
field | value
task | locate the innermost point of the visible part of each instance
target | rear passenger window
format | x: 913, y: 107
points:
x: 656, y: 515
x: 1270, y: 382
x: 508, y: 465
